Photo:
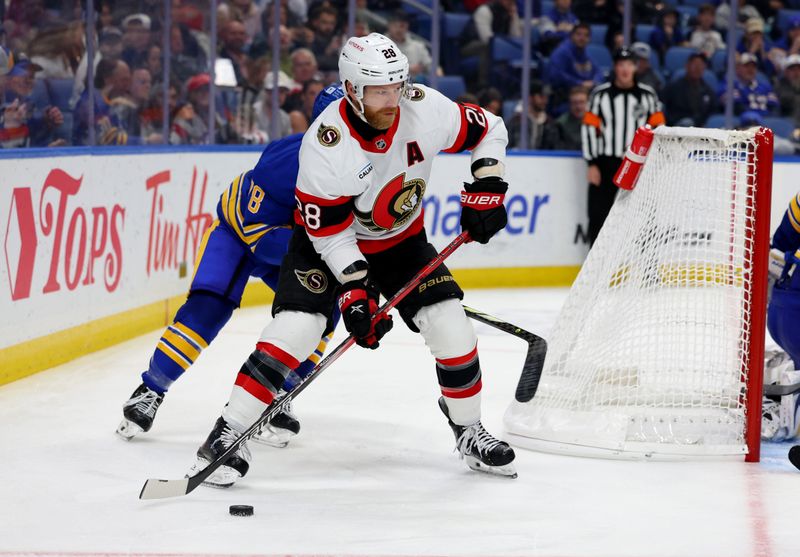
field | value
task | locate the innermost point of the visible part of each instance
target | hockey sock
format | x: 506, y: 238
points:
x: 196, y: 324
x: 257, y: 383
x: 460, y: 382
x: 452, y: 341
x: 290, y: 335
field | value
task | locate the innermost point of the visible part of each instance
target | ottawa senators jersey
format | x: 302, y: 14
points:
x: 357, y: 196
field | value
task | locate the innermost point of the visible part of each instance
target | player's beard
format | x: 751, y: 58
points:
x: 380, y: 119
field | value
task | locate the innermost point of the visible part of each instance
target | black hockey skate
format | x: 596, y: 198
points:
x: 479, y: 449
x: 280, y: 429
x: 220, y: 438
x: 139, y: 411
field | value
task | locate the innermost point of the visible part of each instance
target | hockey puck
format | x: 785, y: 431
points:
x: 241, y: 510
x: 794, y: 456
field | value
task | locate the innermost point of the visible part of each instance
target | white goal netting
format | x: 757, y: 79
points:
x: 651, y: 351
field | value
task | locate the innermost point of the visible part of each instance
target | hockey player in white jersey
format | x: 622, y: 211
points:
x: 365, y: 164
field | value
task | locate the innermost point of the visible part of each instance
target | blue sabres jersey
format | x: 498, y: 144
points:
x: 262, y: 199
x: 787, y: 236
x: 756, y: 96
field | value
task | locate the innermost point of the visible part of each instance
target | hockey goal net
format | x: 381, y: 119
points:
x: 658, y: 350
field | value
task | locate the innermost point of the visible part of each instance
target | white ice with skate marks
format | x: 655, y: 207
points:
x: 371, y: 473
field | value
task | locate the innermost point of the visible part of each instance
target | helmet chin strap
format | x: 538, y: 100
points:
x: 359, y: 110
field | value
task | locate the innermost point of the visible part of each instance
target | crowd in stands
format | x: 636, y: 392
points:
x: 681, y: 50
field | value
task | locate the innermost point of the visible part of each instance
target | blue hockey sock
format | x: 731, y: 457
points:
x: 196, y: 324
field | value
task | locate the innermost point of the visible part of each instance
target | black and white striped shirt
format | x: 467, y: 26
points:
x: 613, y: 116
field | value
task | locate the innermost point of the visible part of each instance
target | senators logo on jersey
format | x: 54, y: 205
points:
x: 415, y: 94
x: 396, y: 203
x: 314, y: 280
x: 328, y: 135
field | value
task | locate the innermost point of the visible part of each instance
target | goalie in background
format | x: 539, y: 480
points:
x: 779, y: 415
x: 249, y: 238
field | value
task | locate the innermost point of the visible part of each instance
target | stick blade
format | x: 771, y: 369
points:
x: 794, y: 456
x: 163, y: 489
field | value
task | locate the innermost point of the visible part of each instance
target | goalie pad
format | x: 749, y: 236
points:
x: 780, y: 420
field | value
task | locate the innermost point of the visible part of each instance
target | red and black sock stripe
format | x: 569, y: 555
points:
x: 265, y: 371
x: 460, y: 377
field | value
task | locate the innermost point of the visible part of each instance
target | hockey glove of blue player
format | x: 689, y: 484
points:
x: 482, y: 211
x: 358, y: 302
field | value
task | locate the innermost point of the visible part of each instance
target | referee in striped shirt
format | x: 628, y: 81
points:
x: 616, y: 109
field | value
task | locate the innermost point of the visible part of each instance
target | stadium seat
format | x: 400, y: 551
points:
x: 505, y: 72
x: 452, y: 86
x: 508, y: 110
x: 718, y: 121
x: 686, y: 13
x: 599, y: 31
x: 422, y: 25
x: 453, y: 25
x: 708, y: 77
x: 418, y: 7
x: 675, y: 59
x: 643, y: 32
x: 783, y: 127
x: 719, y: 62
x: 506, y: 49
x: 784, y: 17
x: 599, y: 56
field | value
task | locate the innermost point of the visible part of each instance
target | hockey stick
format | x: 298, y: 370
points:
x: 160, y: 489
x: 534, y: 359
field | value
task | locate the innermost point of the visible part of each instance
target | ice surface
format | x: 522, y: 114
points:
x: 371, y: 473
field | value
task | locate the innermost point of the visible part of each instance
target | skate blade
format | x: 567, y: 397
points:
x: 505, y: 471
x: 274, y: 437
x: 128, y: 430
x: 222, y: 478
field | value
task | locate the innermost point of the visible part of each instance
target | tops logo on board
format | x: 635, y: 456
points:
x: 75, y: 237
x: 80, y: 237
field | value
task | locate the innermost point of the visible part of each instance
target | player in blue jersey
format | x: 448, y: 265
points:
x: 779, y: 416
x: 249, y: 238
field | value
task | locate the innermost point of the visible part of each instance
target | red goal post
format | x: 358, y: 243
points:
x: 658, y: 351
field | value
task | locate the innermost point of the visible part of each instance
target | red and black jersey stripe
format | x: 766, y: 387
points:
x: 474, y: 126
x: 323, y: 217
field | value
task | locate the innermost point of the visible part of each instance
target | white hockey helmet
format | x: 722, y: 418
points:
x: 371, y: 60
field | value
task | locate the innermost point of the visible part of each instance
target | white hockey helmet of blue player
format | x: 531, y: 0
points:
x: 371, y: 60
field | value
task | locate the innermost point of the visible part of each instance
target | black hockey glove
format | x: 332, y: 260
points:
x: 482, y: 211
x: 358, y: 302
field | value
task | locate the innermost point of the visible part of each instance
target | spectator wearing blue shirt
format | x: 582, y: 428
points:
x: 556, y: 25
x: 750, y: 94
x: 667, y: 32
x: 570, y: 65
x: 112, y: 79
x: 22, y: 124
